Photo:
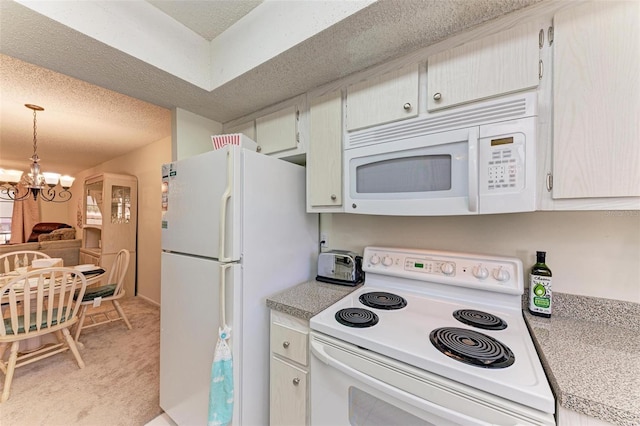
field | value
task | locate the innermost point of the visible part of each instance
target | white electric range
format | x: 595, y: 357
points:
x: 432, y: 337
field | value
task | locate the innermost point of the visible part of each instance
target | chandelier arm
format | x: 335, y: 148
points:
x: 64, y: 197
x: 50, y: 194
x: 47, y: 193
x: 9, y: 192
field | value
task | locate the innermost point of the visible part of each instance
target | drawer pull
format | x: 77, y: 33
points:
x: 285, y: 344
x: 296, y: 381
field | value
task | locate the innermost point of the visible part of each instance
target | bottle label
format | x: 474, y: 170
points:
x: 540, y: 294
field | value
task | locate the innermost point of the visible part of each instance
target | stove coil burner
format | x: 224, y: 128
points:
x: 480, y: 319
x: 471, y: 347
x: 356, y: 317
x: 383, y: 300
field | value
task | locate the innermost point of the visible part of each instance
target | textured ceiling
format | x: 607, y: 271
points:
x: 81, y: 124
x: 208, y: 19
x: 102, y: 102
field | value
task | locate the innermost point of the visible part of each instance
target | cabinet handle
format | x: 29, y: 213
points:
x: 296, y: 381
x: 540, y: 69
x: 333, y: 197
x: 407, y: 106
x: 285, y: 344
x: 437, y: 96
x: 541, y: 39
x: 258, y: 148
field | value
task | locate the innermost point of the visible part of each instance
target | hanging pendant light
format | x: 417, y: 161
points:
x: 36, y: 182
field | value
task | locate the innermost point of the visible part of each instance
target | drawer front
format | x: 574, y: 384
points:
x: 289, y: 343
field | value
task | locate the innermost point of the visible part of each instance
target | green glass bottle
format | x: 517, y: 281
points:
x: 540, y: 296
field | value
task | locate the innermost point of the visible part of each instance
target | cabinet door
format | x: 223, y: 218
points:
x: 389, y: 97
x: 494, y: 65
x: 278, y: 131
x: 288, y: 394
x: 324, y: 155
x: 248, y: 128
x: 596, y: 101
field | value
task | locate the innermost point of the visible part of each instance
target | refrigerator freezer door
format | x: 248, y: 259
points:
x: 199, y: 192
x: 189, y: 332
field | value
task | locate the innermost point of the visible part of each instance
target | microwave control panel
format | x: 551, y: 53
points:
x: 502, y: 163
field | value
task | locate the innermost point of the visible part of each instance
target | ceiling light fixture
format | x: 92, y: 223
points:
x: 13, y: 182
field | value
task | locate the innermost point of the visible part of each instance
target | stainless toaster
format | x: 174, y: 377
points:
x: 340, y: 267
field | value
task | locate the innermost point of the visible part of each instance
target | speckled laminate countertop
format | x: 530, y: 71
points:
x: 589, y: 348
x: 308, y: 299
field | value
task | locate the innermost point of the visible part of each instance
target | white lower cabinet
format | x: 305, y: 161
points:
x: 289, y: 370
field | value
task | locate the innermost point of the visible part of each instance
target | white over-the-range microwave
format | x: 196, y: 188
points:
x: 474, y: 159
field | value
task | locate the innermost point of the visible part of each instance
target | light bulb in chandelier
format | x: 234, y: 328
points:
x: 17, y: 186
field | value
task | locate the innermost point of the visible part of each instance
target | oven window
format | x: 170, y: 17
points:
x: 423, y: 173
x: 367, y: 410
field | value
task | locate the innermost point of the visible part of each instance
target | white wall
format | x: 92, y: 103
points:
x: 56, y: 212
x: 191, y: 133
x: 593, y: 253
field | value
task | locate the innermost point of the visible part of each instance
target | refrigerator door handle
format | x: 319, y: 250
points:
x: 223, y: 305
x: 223, y: 206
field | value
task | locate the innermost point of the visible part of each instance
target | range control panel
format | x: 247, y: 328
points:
x: 495, y: 273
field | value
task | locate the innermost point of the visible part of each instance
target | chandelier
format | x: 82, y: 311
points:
x: 17, y: 187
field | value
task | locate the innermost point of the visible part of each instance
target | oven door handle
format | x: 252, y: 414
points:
x: 318, y: 350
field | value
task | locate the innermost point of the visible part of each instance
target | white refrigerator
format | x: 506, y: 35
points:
x: 233, y: 220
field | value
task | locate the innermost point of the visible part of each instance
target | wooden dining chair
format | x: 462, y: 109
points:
x: 106, y: 293
x: 36, y: 303
x: 21, y: 258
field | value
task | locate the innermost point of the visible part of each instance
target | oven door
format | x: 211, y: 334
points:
x: 434, y: 174
x: 353, y: 386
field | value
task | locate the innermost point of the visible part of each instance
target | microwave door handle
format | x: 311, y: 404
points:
x: 473, y: 169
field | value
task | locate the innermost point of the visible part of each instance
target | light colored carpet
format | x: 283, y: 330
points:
x: 118, y: 386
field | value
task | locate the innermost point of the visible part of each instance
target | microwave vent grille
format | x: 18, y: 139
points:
x: 479, y: 114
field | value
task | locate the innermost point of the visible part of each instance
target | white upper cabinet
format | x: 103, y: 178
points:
x: 494, y: 65
x: 389, y: 97
x: 324, y: 153
x: 278, y: 131
x: 596, y: 101
x: 247, y: 128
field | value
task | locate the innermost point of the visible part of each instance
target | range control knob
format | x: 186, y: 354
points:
x: 501, y: 274
x: 375, y: 259
x: 447, y: 268
x: 480, y: 272
x: 387, y: 261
